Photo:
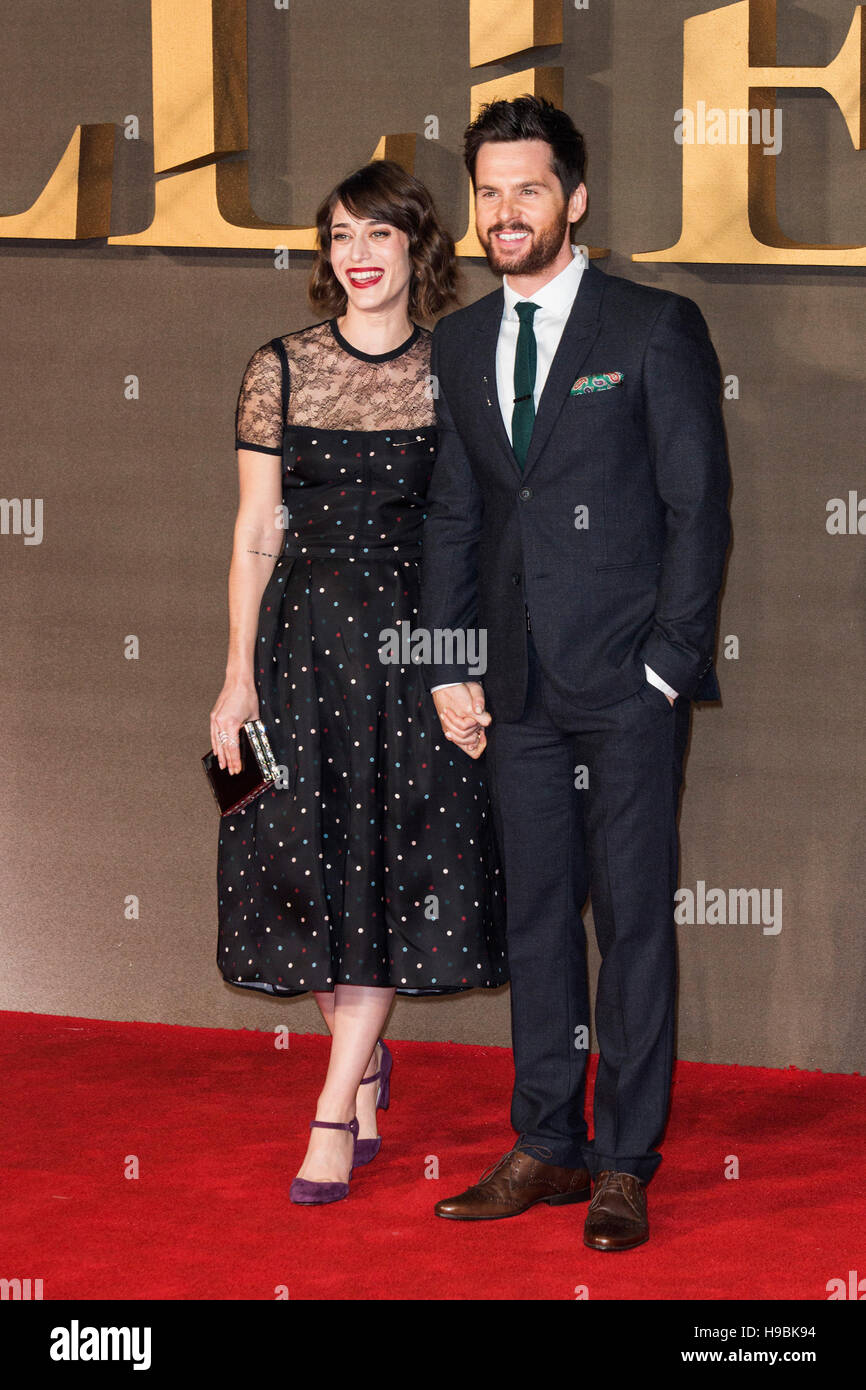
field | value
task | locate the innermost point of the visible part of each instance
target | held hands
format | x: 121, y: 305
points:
x: 238, y: 702
x: 463, y: 716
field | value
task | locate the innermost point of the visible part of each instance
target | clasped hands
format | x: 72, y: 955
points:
x: 463, y: 716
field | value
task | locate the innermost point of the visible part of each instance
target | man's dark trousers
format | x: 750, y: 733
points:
x: 614, y: 838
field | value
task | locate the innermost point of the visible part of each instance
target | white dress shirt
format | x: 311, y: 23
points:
x: 555, y: 301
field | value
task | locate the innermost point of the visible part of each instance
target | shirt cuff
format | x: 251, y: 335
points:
x: 659, y: 683
x: 446, y: 686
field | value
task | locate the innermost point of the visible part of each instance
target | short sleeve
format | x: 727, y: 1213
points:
x: 259, y: 411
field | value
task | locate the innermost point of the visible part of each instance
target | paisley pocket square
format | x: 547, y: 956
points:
x: 602, y: 381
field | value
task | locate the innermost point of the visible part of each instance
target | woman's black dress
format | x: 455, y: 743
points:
x: 377, y: 864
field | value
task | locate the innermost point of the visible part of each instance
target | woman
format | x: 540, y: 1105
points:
x: 376, y: 869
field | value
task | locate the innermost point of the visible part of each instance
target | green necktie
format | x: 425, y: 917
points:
x: 523, y: 415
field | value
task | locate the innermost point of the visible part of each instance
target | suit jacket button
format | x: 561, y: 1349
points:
x: 525, y: 493
x: 515, y: 578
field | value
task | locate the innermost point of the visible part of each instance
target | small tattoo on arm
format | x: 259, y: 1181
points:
x: 262, y: 552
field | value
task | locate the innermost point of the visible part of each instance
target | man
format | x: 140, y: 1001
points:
x: 578, y: 513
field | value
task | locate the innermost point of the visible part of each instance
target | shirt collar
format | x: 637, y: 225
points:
x: 553, y: 299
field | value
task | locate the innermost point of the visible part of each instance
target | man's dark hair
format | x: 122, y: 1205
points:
x: 530, y: 118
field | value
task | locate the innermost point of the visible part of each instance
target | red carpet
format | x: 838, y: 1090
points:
x: 217, y: 1120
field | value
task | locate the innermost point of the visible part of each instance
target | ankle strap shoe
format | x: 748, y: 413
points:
x: 309, y: 1194
x: 366, y: 1149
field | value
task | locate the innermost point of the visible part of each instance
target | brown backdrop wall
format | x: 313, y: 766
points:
x: 104, y: 795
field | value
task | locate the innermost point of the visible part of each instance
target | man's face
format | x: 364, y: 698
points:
x: 521, y: 214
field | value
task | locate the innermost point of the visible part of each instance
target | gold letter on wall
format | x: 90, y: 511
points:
x: 76, y: 201
x: 503, y: 27
x: 729, y: 188
x: 199, y: 117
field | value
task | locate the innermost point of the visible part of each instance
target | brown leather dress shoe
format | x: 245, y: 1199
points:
x: 617, y: 1217
x: 513, y: 1184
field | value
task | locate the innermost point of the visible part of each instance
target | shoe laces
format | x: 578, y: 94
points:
x: 536, y: 1150
x: 619, y: 1182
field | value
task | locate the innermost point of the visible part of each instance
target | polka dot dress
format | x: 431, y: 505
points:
x: 376, y: 863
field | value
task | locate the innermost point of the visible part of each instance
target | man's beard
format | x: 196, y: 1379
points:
x: 543, y: 248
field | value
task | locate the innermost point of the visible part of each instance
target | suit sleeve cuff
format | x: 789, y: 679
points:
x: 657, y: 681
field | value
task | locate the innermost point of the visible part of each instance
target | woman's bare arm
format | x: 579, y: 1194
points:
x: 258, y: 540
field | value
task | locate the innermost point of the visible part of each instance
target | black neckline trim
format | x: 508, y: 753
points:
x: 374, y: 356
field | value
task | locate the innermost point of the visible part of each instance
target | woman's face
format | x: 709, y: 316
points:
x: 370, y: 260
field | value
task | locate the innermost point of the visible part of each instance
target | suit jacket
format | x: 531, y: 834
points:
x: 632, y: 578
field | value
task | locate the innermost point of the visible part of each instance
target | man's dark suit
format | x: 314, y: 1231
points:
x: 572, y: 612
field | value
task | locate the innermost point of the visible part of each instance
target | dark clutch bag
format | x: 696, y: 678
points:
x: 234, y: 790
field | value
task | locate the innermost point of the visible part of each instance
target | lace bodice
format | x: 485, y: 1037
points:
x: 315, y: 378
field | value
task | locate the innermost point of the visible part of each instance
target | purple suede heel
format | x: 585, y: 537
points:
x: 366, y: 1149
x: 309, y: 1194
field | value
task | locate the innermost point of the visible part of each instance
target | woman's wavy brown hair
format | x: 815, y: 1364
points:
x: 383, y: 192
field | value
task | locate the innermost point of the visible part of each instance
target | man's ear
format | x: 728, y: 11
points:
x: 577, y: 203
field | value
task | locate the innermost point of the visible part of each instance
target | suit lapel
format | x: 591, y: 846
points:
x: 579, y: 334
x: 488, y: 331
